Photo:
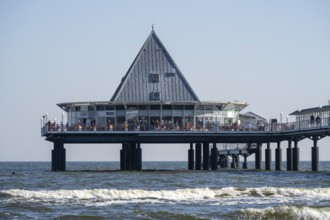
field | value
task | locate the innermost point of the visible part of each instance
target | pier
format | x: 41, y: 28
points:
x: 154, y: 104
x: 203, y: 152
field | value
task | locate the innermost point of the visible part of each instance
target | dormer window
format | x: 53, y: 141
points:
x: 154, y: 96
x: 154, y: 77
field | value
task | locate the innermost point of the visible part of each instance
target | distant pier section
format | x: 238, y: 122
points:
x: 154, y: 104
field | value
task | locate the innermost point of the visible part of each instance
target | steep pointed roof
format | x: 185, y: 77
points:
x: 153, y: 76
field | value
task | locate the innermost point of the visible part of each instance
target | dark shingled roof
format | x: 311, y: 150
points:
x: 153, y: 76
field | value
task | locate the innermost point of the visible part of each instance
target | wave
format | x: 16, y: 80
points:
x: 178, y: 195
x: 286, y: 212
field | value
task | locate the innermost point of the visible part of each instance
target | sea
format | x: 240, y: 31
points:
x: 163, y: 190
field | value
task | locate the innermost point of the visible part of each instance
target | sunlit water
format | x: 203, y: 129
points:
x: 165, y: 190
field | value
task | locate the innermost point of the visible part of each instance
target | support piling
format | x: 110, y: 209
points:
x: 198, y: 155
x: 245, y: 165
x: 295, y: 156
x: 289, y: 156
x: 214, y: 157
x: 191, y: 157
x: 206, y: 156
x: 278, y: 156
x: 58, y: 157
x: 268, y: 157
x: 315, y: 155
x: 258, y: 156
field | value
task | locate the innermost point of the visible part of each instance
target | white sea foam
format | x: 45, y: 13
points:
x: 228, y: 194
x: 287, y: 212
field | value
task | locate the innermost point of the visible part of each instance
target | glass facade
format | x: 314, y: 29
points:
x: 151, y: 117
x: 317, y: 118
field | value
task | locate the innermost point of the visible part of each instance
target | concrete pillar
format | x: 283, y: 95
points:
x: 122, y: 163
x: 233, y: 163
x: 278, y: 156
x: 245, y: 165
x: 221, y: 161
x: 224, y: 161
x: 133, y: 156
x: 289, y: 156
x: 58, y: 157
x: 268, y: 157
x: 227, y: 161
x: 191, y: 157
x: 238, y: 164
x: 198, y: 156
x: 124, y: 157
x: 138, y: 157
x: 315, y: 155
x: 214, y: 157
x: 206, y: 156
x: 258, y: 156
x: 295, y: 156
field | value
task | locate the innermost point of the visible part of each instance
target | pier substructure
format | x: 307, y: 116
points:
x: 235, y: 162
x: 206, y: 156
x: 214, y: 157
x: 245, y: 165
x: 138, y: 157
x: 258, y: 156
x: 315, y: 155
x: 58, y: 157
x: 191, y: 157
x: 278, y: 156
x: 268, y: 157
x: 198, y: 156
x: 289, y: 156
x: 295, y: 156
x: 223, y: 161
x: 131, y: 156
x: 238, y: 165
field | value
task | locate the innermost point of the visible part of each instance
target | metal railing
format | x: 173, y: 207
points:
x: 274, y: 127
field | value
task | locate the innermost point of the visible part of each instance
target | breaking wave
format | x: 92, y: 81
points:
x: 228, y: 194
x: 287, y: 212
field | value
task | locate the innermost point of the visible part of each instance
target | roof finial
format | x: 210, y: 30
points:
x: 152, y: 25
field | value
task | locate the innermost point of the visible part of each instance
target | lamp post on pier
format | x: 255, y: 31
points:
x: 281, y: 115
x: 62, y: 127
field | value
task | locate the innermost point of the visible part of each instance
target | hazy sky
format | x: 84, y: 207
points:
x: 275, y: 55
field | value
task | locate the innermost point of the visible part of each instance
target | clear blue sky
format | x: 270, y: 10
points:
x: 275, y: 55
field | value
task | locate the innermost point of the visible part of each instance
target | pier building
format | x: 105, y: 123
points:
x: 154, y: 103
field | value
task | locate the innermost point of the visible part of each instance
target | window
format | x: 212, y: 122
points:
x: 100, y: 107
x: 154, y: 77
x: 110, y: 107
x: 155, y: 96
x: 189, y: 107
x: 120, y: 107
x: 154, y: 107
x: 177, y: 107
x: 143, y: 107
x: 167, y: 107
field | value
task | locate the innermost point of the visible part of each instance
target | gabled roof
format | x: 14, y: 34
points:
x: 153, y: 76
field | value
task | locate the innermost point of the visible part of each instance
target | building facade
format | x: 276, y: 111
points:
x: 153, y: 96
